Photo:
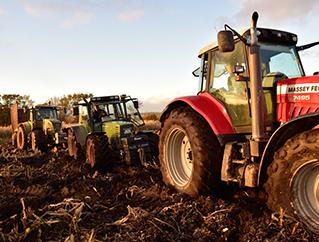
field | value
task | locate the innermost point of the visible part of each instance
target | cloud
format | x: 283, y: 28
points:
x: 82, y: 11
x: 158, y: 102
x: 129, y: 15
x: 73, y: 12
x: 36, y: 8
x: 273, y: 12
x: 78, y: 18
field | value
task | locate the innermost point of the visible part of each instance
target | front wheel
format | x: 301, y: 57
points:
x: 190, y: 155
x: 38, y: 140
x: 293, y: 179
x: 21, y: 139
x: 98, y: 153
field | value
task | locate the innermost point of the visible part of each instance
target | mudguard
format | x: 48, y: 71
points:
x: 210, y: 109
x: 27, y: 127
x: 80, y: 133
x: 280, y: 136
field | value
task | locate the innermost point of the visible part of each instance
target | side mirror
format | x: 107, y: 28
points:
x: 75, y: 111
x: 316, y: 73
x: 135, y: 104
x: 226, y: 41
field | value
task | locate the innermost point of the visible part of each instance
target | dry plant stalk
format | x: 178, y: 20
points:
x: 24, y: 218
x: 281, y: 217
x: 295, y: 228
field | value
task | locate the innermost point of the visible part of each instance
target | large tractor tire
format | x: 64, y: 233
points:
x: 75, y: 149
x: 21, y: 139
x: 189, y: 152
x: 293, y: 179
x: 153, y: 140
x: 38, y: 140
x: 98, y: 152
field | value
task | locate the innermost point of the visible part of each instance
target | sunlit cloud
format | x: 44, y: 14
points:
x: 73, y: 12
x: 158, y: 102
x: 78, y: 18
x: 36, y: 8
x: 129, y: 15
x: 272, y: 12
x: 83, y: 11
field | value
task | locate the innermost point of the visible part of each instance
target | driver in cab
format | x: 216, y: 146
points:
x: 98, y: 113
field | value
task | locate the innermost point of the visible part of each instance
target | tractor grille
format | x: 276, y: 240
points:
x: 57, y: 127
x: 298, y: 110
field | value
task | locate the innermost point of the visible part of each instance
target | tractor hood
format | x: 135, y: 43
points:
x: 118, y: 129
x: 54, y: 125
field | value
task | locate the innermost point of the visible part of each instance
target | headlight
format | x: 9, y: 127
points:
x: 127, y: 130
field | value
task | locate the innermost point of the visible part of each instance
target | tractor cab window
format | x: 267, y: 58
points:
x: 46, y: 113
x: 225, y: 88
x: 115, y: 111
x: 133, y: 114
x: 110, y: 111
x: 280, y: 59
x: 201, y: 72
x: 83, y: 116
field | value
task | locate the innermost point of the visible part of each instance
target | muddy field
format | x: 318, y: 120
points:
x: 51, y: 197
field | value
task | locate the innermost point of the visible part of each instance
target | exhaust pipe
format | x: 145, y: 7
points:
x: 257, y: 99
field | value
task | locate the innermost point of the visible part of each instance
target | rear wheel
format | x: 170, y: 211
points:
x: 190, y: 155
x: 153, y: 141
x: 21, y: 139
x: 38, y: 140
x: 98, y: 153
x: 74, y: 148
x: 293, y: 179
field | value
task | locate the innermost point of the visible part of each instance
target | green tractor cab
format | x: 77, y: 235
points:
x: 37, y: 127
x: 105, y: 132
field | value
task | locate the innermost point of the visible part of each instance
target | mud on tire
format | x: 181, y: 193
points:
x: 190, y: 155
x: 98, y: 152
x: 75, y: 149
x: 38, y: 140
x: 153, y: 140
x: 21, y: 139
x: 293, y: 179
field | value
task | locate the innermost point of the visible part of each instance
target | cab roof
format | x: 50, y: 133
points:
x: 271, y: 35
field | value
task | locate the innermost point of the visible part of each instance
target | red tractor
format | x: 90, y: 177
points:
x: 253, y: 122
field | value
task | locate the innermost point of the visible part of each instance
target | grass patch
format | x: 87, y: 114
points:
x: 5, y: 132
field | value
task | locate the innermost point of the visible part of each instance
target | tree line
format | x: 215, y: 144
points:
x: 65, y: 102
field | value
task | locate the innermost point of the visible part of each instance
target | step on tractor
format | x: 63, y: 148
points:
x: 106, y: 135
x: 37, y: 127
x: 252, y: 123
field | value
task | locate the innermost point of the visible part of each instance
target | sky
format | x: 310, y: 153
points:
x: 143, y: 48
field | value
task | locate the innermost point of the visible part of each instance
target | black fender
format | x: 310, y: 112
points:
x: 80, y: 133
x: 280, y: 136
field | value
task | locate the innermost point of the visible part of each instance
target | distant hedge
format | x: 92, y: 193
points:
x: 150, y: 116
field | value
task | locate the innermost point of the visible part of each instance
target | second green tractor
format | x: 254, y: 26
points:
x: 105, y: 133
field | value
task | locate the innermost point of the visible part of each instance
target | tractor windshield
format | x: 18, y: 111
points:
x: 280, y: 58
x: 46, y: 113
x: 133, y: 114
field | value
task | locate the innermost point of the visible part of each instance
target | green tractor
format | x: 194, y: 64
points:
x: 105, y: 133
x: 37, y: 127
